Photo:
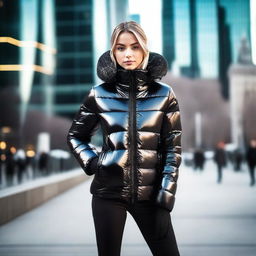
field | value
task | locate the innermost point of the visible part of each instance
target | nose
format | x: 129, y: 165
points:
x: 128, y: 53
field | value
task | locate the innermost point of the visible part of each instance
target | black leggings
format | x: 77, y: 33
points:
x: 154, y: 223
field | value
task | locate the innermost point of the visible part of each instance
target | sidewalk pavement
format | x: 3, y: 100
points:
x: 208, y: 218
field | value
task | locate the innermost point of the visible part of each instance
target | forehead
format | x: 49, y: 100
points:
x: 126, y: 38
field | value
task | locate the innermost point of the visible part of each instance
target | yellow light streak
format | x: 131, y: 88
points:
x: 6, y: 129
x: 19, y: 43
x: 20, y: 67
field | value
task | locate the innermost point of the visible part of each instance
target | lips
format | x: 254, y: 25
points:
x: 129, y: 62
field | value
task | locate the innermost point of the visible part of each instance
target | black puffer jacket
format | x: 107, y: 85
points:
x: 140, y: 121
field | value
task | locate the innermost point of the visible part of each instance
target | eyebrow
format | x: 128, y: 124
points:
x: 124, y: 44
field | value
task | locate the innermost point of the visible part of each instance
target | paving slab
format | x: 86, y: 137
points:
x: 208, y: 218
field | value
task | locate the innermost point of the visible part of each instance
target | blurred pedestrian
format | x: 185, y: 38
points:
x: 251, y: 160
x: 20, y: 161
x: 137, y: 169
x: 10, y: 166
x: 220, y: 159
x: 199, y: 159
x: 43, y: 162
x: 2, y: 169
x: 31, y: 163
x: 238, y: 158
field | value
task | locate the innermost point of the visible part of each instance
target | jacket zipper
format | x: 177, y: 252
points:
x: 132, y: 135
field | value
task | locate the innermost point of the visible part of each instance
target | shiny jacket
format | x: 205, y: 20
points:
x: 140, y: 122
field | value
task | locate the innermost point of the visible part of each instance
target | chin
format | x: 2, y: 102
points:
x: 130, y: 67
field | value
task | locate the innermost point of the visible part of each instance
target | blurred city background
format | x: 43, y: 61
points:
x: 48, y: 56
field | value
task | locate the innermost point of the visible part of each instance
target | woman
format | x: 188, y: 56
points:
x: 137, y: 168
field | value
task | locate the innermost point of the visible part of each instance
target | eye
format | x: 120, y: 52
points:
x: 120, y: 48
x: 135, y: 47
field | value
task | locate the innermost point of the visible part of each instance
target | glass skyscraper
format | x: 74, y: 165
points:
x: 74, y: 73
x: 27, y: 66
x: 28, y: 50
x: 206, y: 34
x: 182, y: 34
x: 238, y: 18
x: 207, y: 47
x: 168, y: 31
x: 196, y: 38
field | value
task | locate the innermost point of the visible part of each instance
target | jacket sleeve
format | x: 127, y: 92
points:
x: 171, y: 154
x: 82, y: 129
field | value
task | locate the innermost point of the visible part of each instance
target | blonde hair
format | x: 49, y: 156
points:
x: 138, y: 32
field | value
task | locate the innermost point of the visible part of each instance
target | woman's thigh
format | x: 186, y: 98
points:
x: 109, y: 219
x: 156, y: 227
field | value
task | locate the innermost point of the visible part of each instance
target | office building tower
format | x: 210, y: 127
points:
x: 234, y: 24
x: 194, y: 67
x: 168, y: 31
x: 225, y: 57
x: 9, y: 29
x: 27, y: 50
x: 74, y: 73
x: 192, y: 70
x: 107, y: 14
x: 238, y: 18
x: 27, y: 61
x: 207, y: 38
x: 117, y: 12
x: 182, y: 35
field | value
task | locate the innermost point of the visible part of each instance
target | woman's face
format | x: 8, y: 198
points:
x: 128, y: 51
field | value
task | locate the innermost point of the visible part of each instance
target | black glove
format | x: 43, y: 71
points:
x: 165, y: 199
